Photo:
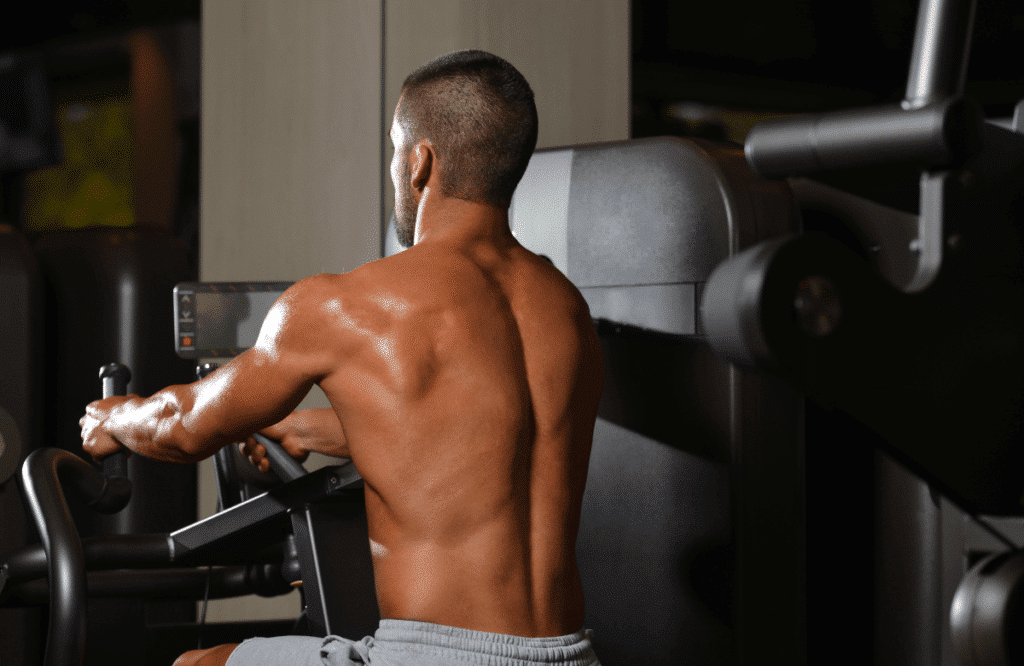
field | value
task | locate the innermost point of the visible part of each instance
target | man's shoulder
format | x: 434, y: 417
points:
x: 543, y: 281
x: 327, y: 287
x: 370, y: 290
x: 313, y: 302
x: 309, y: 293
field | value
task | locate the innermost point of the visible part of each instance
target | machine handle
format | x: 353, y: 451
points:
x: 931, y: 136
x: 115, y: 378
x: 286, y: 467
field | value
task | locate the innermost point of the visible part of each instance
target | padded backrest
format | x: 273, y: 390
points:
x: 638, y: 225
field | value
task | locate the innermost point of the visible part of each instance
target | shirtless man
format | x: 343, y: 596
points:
x: 463, y: 375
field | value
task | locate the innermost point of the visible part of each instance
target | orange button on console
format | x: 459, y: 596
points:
x: 186, y: 342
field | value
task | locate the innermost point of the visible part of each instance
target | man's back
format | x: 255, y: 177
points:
x: 468, y: 393
x: 464, y: 374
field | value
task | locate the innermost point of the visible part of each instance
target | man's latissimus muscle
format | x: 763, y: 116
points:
x: 468, y: 405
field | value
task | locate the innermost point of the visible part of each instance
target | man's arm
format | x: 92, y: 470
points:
x: 257, y: 389
x: 300, y: 433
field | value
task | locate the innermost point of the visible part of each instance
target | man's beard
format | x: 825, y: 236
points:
x: 405, y: 221
x: 405, y: 212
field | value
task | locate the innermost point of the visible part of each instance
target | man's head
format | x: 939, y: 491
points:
x: 478, y: 115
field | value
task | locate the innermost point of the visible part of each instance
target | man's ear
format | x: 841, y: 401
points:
x: 421, y: 164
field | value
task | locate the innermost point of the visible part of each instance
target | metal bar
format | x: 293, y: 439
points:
x: 114, y: 378
x: 105, y: 552
x: 908, y: 568
x: 65, y: 643
x: 942, y: 41
x: 334, y: 552
x: 286, y: 467
x: 258, y: 522
x: 938, y: 135
x: 167, y: 584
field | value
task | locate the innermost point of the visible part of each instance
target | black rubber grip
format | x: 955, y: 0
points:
x: 286, y: 467
x: 115, y: 378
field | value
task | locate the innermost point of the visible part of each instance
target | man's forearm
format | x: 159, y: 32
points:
x: 155, y: 427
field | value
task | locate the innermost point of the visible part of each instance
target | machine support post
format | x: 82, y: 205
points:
x: 938, y: 63
x: 938, y: 70
x: 907, y: 563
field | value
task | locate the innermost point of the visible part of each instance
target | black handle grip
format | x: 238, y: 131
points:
x: 936, y: 135
x: 115, y: 378
x: 286, y: 467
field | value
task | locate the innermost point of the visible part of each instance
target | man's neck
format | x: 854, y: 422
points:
x: 461, y: 222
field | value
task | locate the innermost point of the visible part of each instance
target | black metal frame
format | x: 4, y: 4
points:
x: 263, y: 545
x: 323, y: 508
x: 967, y: 282
x: 933, y: 366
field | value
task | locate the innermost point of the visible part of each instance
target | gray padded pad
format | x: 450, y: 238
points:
x: 651, y: 211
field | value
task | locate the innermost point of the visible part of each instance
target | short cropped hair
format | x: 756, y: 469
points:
x: 478, y: 113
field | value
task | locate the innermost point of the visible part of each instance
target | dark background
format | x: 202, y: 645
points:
x: 37, y: 23
x: 804, y: 55
x: 787, y: 55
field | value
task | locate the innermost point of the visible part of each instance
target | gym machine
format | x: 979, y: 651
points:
x: 921, y: 340
x: 700, y: 536
x: 260, y: 541
x: 799, y: 376
x: 92, y: 292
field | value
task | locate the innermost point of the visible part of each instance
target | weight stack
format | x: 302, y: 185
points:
x: 21, y: 373
x: 109, y: 298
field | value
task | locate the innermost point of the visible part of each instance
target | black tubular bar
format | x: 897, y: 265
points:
x: 260, y: 521
x: 933, y: 128
x: 41, y: 476
x: 166, y: 584
x: 936, y: 135
x: 229, y: 486
x: 114, y: 378
x: 102, y: 552
x: 282, y: 464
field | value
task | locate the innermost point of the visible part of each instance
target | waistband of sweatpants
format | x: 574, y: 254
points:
x: 482, y: 647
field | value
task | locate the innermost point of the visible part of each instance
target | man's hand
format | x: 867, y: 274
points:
x: 96, y: 441
x: 284, y: 432
x: 299, y: 433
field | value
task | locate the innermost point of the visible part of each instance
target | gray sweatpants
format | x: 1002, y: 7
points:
x: 405, y: 643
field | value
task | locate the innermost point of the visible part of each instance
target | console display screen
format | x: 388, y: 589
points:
x: 221, y: 319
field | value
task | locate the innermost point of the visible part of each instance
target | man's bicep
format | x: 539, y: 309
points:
x: 241, y: 398
x: 264, y: 384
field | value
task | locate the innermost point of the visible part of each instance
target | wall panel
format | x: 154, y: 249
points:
x: 293, y: 129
